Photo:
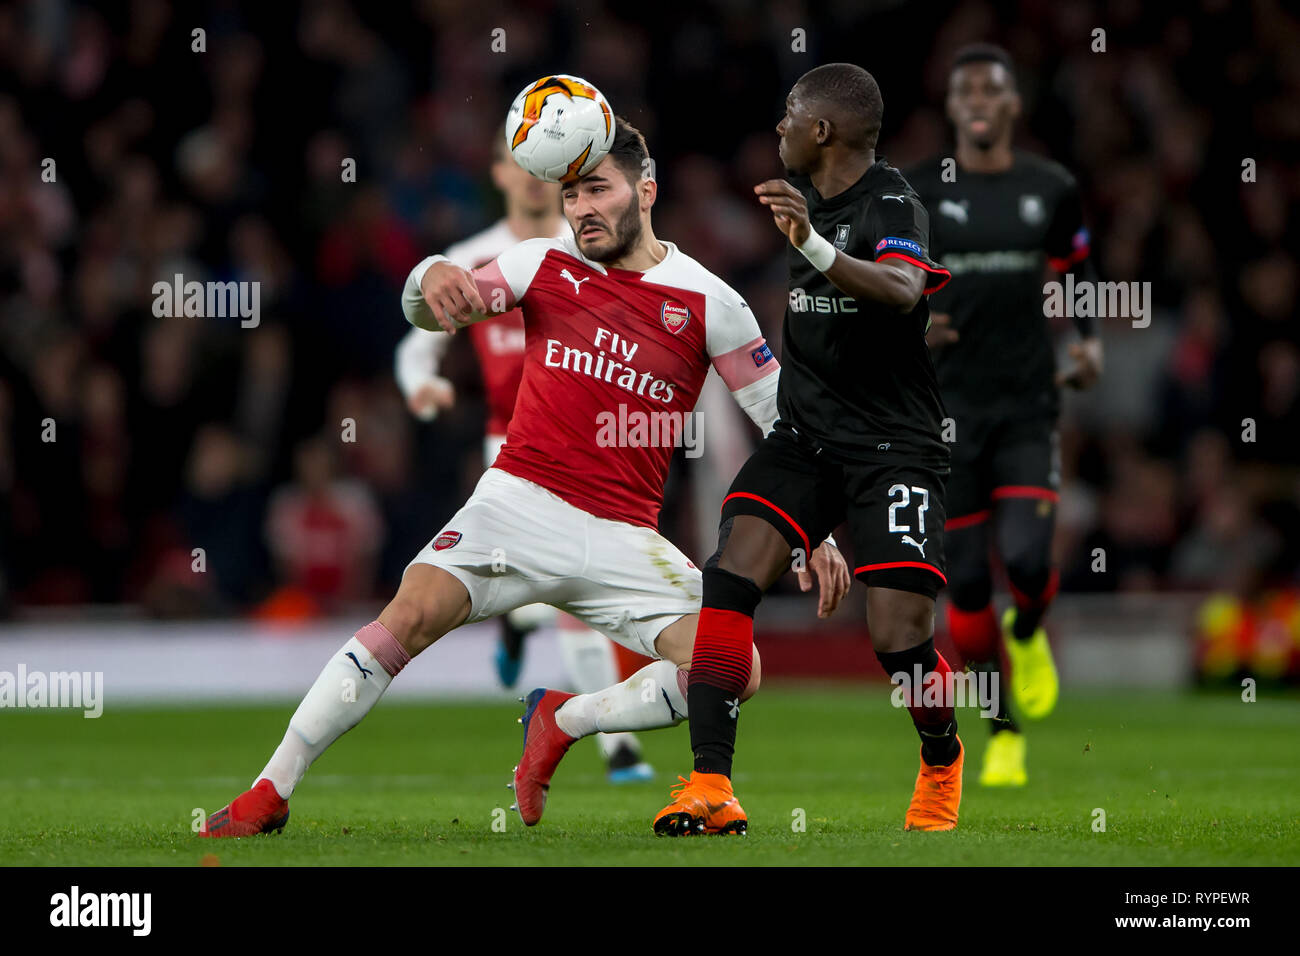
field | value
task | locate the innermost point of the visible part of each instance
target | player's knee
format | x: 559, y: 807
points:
x: 901, y: 626
x: 899, y: 635
x: 751, y: 548
x: 742, y: 566
x: 411, y: 619
x: 755, y: 678
x: 422, y: 612
x: 408, y: 621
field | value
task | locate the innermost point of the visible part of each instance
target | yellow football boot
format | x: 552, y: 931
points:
x: 1034, y: 684
x: 1004, y: 761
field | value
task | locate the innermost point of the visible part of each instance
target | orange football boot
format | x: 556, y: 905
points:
x: 703, y: 804
x: 937, y: 796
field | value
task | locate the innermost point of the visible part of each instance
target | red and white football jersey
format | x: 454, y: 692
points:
x: 608, y: 350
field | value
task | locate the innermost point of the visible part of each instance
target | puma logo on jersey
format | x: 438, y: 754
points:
x: 956, y: 210
x: 919, y: 545
x: 577, y: 283
x: 899, y: 198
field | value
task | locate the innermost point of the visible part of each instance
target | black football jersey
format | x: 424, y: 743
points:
x: 856, y: 376
x: 997, y: 233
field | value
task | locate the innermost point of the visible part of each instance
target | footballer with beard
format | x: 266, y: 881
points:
x: 619, y: 326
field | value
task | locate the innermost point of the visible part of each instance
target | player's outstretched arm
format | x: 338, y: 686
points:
x: 895, y: 282
x: 891, y: 280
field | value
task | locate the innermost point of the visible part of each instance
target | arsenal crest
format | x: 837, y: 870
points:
x: 448, y: 539
x: 674, y: 316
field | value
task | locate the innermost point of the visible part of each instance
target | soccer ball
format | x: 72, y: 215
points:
x: 559, y: 128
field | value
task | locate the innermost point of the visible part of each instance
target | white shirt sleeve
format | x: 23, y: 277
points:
x: 501, y: 282
x: 414, y: 307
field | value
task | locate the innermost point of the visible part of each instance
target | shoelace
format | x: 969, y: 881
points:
x: 676, y: 792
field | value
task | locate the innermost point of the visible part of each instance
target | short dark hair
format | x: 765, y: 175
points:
x: 501, y: 152
x: 855, y: 93
x: 629, y: 150
x: 984, y: 53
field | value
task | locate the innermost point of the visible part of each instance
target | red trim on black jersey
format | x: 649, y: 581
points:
x: 966, y: 521
x: 1025, y: 491
x: 931, y: 270
x: 900, y: 564
x: 794, y: 524
x: 1063, y: 263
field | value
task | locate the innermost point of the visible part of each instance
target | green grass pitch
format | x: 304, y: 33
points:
x: 1183, y: 779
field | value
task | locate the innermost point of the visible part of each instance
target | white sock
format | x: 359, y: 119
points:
x: 592, y: 664
x: 588, y: 657
x: 530, y: 616
x: 649, y: 699
x: 341, y: 696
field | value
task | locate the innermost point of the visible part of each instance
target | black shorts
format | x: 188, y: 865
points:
x: 895, y: 511
x: 998, y: 457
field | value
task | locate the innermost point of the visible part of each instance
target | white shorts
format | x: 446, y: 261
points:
x: 515, y: 543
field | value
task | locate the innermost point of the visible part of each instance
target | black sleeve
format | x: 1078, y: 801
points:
x: 1069, y: 245
x: 918, y: 177
x: 901, y: 228
x: 1067, y: 237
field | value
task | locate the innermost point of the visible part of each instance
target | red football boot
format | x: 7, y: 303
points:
x: 545, y: 745
x: 260, y: 810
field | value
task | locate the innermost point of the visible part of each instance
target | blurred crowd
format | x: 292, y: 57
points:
x: 197, y: 466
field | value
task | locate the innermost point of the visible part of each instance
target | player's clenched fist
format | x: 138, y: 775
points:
x: 452, y: 295
x: 789, y: 209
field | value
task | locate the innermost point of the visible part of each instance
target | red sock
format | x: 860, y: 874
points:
x: 724, y: 650
x: 974, y: 633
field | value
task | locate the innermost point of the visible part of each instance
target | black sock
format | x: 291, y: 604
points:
x: 1026, y: 622
x: 937, y: 726
x: 713, y: 733
x: 1002, y: 720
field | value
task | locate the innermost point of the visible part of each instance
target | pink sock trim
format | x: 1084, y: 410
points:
x: 379, y: 641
